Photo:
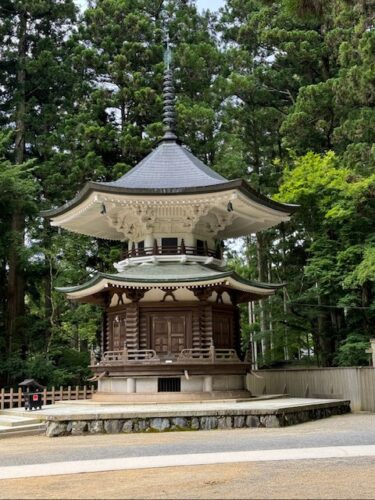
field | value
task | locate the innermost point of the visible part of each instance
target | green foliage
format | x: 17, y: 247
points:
x: 352, y: 351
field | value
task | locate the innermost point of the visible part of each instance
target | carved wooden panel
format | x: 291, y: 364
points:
x: 223, y: 329
x: 170, y: 331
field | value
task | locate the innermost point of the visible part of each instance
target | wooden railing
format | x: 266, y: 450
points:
x: 146, y: 356
x: 129, y: 356
x: 226, y: 355
x: 208, y: 354
x: 14, y: 398
x: 172, y: 250
x: 195, y: 354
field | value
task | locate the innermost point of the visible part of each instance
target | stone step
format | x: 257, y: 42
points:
x: 16, y: 421
x: 22, y: 430
x: 165, y: 397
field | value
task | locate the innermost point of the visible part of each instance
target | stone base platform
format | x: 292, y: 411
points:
x: 170, y: 397
x: 81, y: 419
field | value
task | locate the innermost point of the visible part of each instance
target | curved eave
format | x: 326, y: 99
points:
x: 102, y: 281
x: 239, y: 184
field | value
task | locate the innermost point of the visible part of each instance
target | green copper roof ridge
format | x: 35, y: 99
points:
x: 117, y: 277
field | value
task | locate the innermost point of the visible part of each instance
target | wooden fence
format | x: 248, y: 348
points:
x: 356, y: 384
x: 14, y: 398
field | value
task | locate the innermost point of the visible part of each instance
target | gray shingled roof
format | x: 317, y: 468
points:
x: 169, y: 166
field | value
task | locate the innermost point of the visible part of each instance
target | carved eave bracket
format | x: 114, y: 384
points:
x: 135, y: 294
x: 202, y: 293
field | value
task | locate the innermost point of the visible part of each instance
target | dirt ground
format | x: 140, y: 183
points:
x: 308, y: 479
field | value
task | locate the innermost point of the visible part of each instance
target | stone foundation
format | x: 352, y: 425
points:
x: 149, y: 385
x: 115, y: 425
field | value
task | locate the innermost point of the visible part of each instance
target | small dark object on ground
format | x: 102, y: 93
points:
x: 32, y: 394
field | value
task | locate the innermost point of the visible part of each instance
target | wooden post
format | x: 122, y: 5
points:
x: 92, y: 390
x: 53, y: 395
x: 77, y: 391
x: 372, y: 351
x: 212, y: 352
x: 61, y: 393
x: 2, y: 397
x: 11, y: 398
x: 85, y: 392
x: 19, y: 402
x: 69, y: 392
x: 125, y: 353
x: 44, y: 396
x: 155, y: 249
x: 183, y: 248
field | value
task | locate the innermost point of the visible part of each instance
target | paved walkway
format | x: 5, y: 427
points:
x: 160, y: 461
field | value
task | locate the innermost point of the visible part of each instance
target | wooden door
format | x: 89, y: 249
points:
x: 168, y: 333
x: 223, y: 330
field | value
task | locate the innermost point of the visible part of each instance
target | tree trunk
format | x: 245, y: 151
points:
x: 262, y: 276
x: 16, y: 281
x: 285, y: 294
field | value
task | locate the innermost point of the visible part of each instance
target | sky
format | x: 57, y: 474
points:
x: 202, y: 4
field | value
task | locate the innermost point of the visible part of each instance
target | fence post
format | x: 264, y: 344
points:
x: 69, y: 392
x: 53, y: 395
x: 92, y: 390
x: 11, y: 398
x: 19, y: 402
x: 44, y: 396
x: 61, y: 393
x: 77, y: 392
x: 2, y: 397
x: 85, y: 391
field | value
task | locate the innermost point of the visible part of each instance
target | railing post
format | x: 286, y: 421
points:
x: 2, y: 397
x: 19, y: 402
x: 53, y: 395
x: 182, y: 247
x: 212, y: 353
x: 155, y: 248
x: 69, y: 392
x: 77, y: 392
x: 11, y: 398
x: 44, y: 396
x: 61, y: 393
x: 125, y: 353
x: 85, y: 391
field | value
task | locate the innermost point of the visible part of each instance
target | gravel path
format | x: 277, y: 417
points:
x: 344, y: 430
x: 307, y: 479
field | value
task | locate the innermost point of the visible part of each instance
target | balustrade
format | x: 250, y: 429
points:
x: 172, y: 250
x: 146, y: 356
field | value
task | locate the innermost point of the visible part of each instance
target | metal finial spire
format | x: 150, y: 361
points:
x: 169, y: 114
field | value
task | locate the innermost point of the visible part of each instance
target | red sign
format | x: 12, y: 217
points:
x: 35, y: 397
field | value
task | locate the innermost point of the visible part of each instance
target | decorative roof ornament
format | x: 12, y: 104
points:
x: 169, y: 112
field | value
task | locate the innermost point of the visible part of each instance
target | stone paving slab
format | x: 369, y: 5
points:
x: 270, y: 407
x: 274, y: 406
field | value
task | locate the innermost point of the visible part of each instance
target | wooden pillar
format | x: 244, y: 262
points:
x: 237, y: 333
x: 132, y: 317
x: 205, y: 317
